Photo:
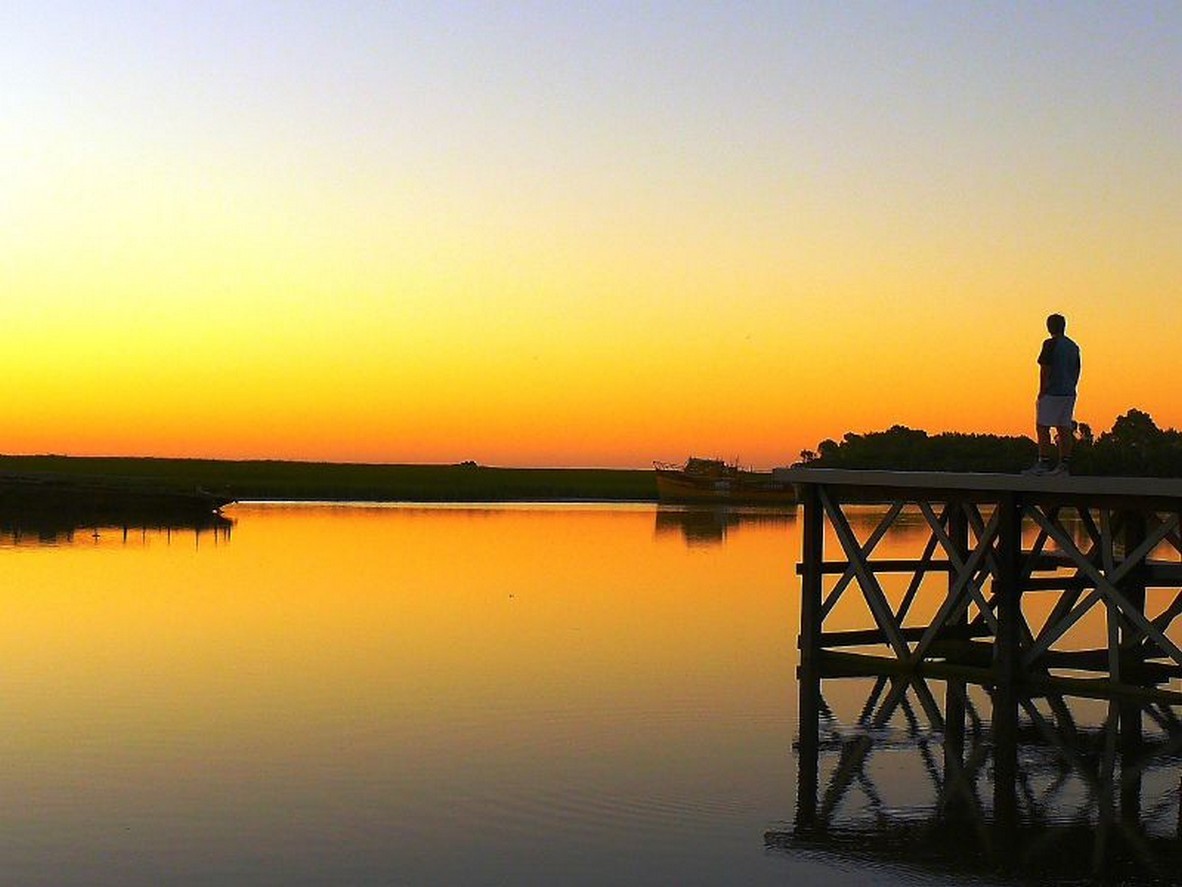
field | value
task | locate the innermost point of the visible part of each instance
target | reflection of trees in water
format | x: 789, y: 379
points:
x: 52, y: 508
x: 962, y: 780
x: 47, y: 529
x: 709, y: 525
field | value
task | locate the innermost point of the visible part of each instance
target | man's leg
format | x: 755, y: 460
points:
x: 1043, y: 465
x: 1065, y: 438
x: 1044, y: 442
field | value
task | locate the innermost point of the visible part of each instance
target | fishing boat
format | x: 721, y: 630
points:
x: 720, y: 482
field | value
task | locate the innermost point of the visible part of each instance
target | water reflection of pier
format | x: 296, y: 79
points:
x: 1046, y: 607
x: 927, y: 775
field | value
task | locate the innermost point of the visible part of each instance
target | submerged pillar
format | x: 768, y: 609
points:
x: 1008, y: 593
x: 809, y: 643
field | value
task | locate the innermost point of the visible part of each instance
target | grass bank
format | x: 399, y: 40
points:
x: 360, y: 482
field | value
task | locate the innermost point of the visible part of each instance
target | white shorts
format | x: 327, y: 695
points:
x: 1055, y: 410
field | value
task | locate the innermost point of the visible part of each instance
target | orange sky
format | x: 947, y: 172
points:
x: 559, y: 237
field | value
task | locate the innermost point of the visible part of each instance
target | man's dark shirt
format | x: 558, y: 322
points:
x: 1061, y: 356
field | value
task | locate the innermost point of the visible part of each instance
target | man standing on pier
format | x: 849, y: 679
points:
x: 1058, y: 374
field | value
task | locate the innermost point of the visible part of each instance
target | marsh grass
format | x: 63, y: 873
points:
x: 326, y: 481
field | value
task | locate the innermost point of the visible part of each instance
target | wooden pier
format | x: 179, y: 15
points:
x: 1020, y: 562
x: 1047, y: 609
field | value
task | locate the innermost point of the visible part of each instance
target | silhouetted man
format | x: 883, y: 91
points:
x: 1058, y: 374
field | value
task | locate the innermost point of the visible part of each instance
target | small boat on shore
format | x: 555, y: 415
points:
x: 720, y: 482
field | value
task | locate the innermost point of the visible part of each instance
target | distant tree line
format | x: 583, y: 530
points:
x: 1134, y: 447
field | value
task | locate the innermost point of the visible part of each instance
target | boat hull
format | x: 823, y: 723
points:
x: 746, y: 488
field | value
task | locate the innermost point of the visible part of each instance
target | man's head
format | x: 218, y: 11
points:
x: 1056, y: 324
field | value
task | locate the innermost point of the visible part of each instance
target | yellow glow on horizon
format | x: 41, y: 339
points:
x: 224, y: 261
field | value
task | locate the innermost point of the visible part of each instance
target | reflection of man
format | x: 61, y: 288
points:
x: 1058, y: 374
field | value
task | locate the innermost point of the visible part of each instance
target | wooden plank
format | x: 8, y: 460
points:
x: 921, y: 570
x: 971, y: 584
x: 1162, y: 621
x: 835, y: 664
x: 1062, y: 583
x: 977, y: 523
x: 964, y: 576
x: 871, y: 590
x: 1163, y: 574
x: 1105, y: 585
x: 1060, y: 623
x: 1097, y: 660
x: 1061, y: 610
x: 867, y: 549
x: 1057, y: 627
x: 962, y: 652
x: 864, y: 637
x: 887, y: 565
x: 1149, y: 488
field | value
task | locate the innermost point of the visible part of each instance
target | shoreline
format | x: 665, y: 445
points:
x: 269, y: 480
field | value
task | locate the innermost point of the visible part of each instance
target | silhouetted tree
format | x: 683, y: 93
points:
x: 908, y: 449
x: 1135, y: 446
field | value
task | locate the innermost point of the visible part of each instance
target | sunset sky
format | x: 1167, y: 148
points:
x: 555, y: 233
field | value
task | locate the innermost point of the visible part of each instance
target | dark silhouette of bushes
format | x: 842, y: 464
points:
x: 1135, y: 447
x: 907, y: 449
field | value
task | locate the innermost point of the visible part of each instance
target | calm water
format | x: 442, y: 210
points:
x: 413, y: 695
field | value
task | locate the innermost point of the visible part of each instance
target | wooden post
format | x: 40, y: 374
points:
x: 1132, y: 585
x: 954, y: 691
x: 808, y: 747
x: 808, y: 750
x: 1008, y: 594
x: 812, y: 553
x: 1130, y: 773
x: 1133, y: 588
x: 954, y: 719
x: 1008, y: 590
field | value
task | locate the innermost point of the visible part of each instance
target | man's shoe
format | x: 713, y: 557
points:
x: 1038, y: 469
x: 1060, y: 470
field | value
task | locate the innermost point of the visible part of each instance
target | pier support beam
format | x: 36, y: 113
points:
x: 1008, y: 590
x: 812, y: 556
x: 1095, y: 541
